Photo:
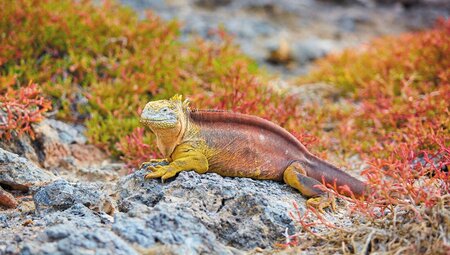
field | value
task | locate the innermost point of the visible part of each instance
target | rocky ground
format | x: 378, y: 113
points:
x: 61, y: 195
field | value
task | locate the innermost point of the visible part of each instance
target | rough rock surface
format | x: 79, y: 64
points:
x: 64, y: 145
x: 63, y: 132
x: 23, y: 146
x: 76, y: 230
x: 62, y: 149
x: 191, y: 214
x: 105, y: 173
x: 232, y: 209
x: 58, y: 145
x: 61, y: 195
x: 21, y: 174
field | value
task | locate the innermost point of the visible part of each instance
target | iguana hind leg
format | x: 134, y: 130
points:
x: 184, y: 158
x: 295, y: 176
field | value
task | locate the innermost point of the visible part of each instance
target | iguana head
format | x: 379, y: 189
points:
x: 168, y: 121
x: 164, y: 114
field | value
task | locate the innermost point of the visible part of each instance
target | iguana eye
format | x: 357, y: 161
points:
x: 165, y: 109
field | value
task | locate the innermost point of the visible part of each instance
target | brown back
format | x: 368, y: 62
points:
x: 220, y: 116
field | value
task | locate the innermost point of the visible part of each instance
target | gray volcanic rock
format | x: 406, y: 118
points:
x: 312, y: 49
x: 58, y: 147
x: 75, y: 230
x: 64, y: 146
x: 105, y: 173
x: 48, y: 130
x: 23, y: 146
x: 171, y: 226
x: 76, y: 216
x: 20, y: 173
x: 66, y: 239
x: 61, y: 195
x: 58, y: 130
x: 240, y: 212
x: 190, y: 214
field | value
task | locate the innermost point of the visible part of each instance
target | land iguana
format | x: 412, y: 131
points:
x: 237, y: 145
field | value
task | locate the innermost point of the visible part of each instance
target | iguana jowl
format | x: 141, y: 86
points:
x: 238, y: 145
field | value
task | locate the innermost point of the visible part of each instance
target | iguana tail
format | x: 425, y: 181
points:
x: 321, y: 170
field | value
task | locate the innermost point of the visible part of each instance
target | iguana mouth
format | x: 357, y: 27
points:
x: 153, y: 120
x: 159, y: 123
x: 158, y: 120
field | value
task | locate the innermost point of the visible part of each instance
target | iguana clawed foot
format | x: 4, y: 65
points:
x: 152, y: 161
x: 296, y: 177
x: 165, y: 172
x: 322, y: 202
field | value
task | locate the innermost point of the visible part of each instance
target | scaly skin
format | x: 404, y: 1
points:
x: 238, y: 145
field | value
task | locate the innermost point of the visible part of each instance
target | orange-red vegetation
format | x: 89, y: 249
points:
x: 19, y: 108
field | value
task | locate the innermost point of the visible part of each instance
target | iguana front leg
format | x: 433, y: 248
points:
x: 184, y: 158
